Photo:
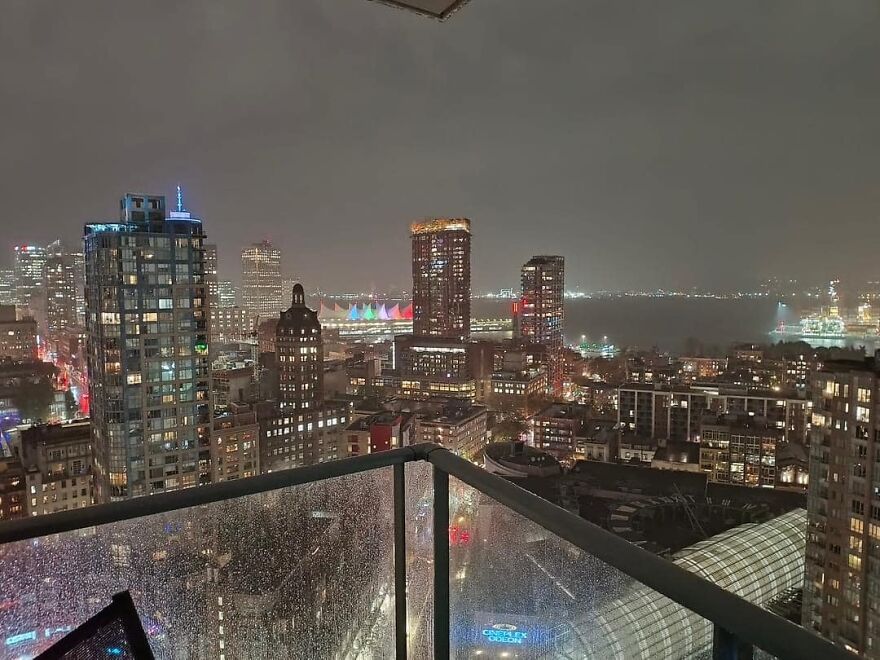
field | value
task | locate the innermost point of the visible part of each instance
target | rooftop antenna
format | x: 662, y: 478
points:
x: 179, y: 199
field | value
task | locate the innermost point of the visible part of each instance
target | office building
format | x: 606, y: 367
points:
x: 302, y: 429
x: 18, y: 336
x: 542, y: 311
x: 149, y: 371
x: 231, y: 324
x: 842, y: 583
x: 65, y: 289
x: 30, y: 289
x: 521, y: 391
x: 424, y: 388
x: 440, y: 357
x: 261, y: 280
x: 560, y: 429
x: 676, y: 412
x: 211, y: 275
x: 227, y: 296
x: 433, y: 362
x: 739, y: 449
x: 236, y: 437
x: 428, y: 368
x: 462, y: 429
x: 59, y: 467
x: 7, y: 286
x: 13, y: 492
x: 441, y: 271
x: 300, y: 353
x: 292, y: 440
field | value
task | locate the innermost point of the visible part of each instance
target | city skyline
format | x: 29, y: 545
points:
x: 697, y: 145
x: 569, y: 308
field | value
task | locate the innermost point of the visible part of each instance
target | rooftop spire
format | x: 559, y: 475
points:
x: 179, y: 199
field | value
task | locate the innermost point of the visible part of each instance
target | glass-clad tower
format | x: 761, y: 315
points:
x: 147, y: 328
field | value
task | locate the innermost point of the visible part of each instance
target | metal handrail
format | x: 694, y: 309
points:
x: 747, y: 621
x: 736, y: 620
x: 137, y: 507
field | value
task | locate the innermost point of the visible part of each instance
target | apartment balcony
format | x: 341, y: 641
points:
x: 341, y: 560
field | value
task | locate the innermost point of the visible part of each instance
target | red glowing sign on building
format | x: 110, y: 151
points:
x: 458, y: 536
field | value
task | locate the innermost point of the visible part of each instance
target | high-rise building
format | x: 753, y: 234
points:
x: 303, y: 429
x: 842, y: 580
x: 58, y: 463
x: 211, y: 275
x: 542, y: 311
x: 261, y: 280
x: 227, y: 296
x: 79, y: 276
x: 441, y: 269
x: 7, y: 286
x: 149, y: 371
x: 18, y: 336
x: 433, y: 362
x: 300, y: 352
x: 231, y: 324
x: 64, y: 280
x: 30, y: 289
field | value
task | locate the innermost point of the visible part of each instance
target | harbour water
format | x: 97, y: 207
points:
x: 667, y: 323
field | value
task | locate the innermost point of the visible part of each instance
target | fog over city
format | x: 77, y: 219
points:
x: 676, y: 144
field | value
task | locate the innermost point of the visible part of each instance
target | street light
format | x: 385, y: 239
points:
x: 440, y: 9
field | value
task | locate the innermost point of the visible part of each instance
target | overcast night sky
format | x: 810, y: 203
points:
x: 674, y: 143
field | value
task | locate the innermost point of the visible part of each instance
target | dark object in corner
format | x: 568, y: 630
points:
x: 114, y: 632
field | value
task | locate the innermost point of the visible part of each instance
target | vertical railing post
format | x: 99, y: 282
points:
x: 727, y: 646
x: 441, y: 564
x: 400, y: 617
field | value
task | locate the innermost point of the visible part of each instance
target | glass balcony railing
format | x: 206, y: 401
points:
x: 341, y: 560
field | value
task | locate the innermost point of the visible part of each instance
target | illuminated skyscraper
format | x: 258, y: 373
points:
x: 64, y: 288
x: 211, y: 274
x: 7, y: 286
x: 433, y: 361
x: 261, y: 280
x: 842, y: 580
x: 227, y: 296
x: 303, y: 429
x: 542, y: 310
x: 300, y: 352
x: 30, y: 283
x: 149, y: 372
x: 441, y: 268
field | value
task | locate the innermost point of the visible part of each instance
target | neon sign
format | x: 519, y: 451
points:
x: 505, y: 633
x: 21, y: 638
x: 32, y: 635
x: 458, y: 536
